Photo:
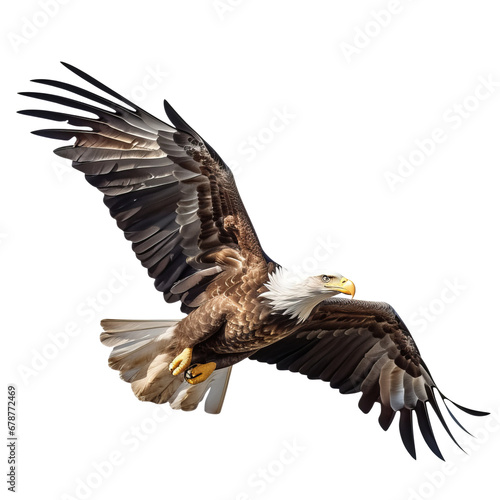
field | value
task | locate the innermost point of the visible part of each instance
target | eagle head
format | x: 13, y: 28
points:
x: 334, y: 284
x: 291, y: 294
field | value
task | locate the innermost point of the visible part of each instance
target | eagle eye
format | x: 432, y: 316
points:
x: 325, y: 278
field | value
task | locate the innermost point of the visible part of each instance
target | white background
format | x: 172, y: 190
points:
x: 431, y: 242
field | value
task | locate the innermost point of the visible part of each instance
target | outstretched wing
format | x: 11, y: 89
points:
x: 168, y: 190
x: 365, y: 347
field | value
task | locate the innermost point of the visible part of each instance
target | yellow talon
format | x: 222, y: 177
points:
x: 182, y: 361
x: 199, y: 373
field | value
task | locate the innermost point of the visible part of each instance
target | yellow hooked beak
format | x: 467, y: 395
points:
x: 342, y: 285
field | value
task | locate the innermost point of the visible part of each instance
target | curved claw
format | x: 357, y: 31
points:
x: 199, y: 372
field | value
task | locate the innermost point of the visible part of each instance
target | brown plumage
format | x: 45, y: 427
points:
x: 178, y: 204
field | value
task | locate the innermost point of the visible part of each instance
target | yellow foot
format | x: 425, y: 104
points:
x: 181, y: 362
x: 199, y: 373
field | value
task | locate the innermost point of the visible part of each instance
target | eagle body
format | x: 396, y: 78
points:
x: 177, y: 203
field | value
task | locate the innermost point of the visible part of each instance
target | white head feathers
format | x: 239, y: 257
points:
x: 295, y: 295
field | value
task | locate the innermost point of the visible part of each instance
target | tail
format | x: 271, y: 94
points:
x: 142, y: 352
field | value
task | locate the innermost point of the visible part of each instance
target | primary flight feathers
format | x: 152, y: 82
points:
x: 178, y: 204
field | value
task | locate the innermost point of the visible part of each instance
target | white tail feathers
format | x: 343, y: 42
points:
x: 142, y: 352
x: 187, y: 397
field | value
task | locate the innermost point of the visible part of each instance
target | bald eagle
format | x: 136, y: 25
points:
x: 177, y: 202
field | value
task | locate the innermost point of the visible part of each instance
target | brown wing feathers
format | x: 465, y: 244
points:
x: 168, y: 191
x: 364, y: 347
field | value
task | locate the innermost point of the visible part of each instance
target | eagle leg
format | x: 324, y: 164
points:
x: 181, y: 362
x: 199, y: 372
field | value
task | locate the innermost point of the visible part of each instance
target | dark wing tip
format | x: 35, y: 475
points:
x: 62, y: 135
x: 386, y: 416
x: 475, y: 413
x: 180, y: 124
x: 96, y: 83
x: 41, y: 113
x: 433, y: 402
x: 81, y: 73
x: 38, y: 132
x: 424, y: 424
x: 177, y: 119
x: 74, y: 69
x: 406, y: 431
